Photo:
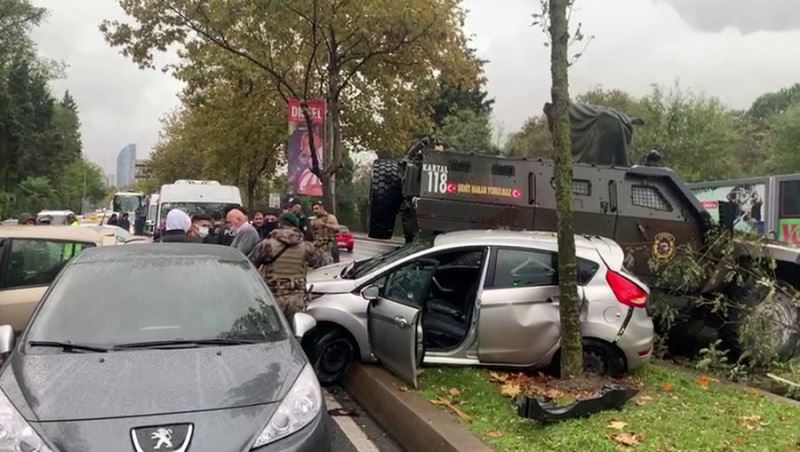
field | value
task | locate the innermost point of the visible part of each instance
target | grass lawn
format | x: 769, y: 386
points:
x: 672, y: 412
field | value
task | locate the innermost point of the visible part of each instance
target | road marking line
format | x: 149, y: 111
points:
x: 357, y: 437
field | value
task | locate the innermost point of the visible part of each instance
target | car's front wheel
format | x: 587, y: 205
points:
x: 331, y: 351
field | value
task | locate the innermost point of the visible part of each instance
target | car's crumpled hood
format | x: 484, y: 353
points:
x: 327, y: 280
x: 70, y: 386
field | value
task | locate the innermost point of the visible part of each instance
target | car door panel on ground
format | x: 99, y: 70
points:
x: 28, y: 267
x: 394, y: 317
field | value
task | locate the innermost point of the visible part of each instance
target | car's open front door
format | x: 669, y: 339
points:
x: 395, y: 318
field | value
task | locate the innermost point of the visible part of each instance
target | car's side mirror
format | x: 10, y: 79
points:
x: 370, y: 293
x: 302, y: 323
x: 6, y: 340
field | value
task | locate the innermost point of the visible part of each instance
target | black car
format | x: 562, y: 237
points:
x: 165, y: 347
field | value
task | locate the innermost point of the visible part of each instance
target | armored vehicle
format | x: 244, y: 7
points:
x: 648, y: 210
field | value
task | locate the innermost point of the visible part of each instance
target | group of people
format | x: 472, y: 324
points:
x: 281, y: 246
x: 28, y: 220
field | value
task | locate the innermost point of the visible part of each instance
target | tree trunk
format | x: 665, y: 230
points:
x: 333, y: 153
x: 569, y: 304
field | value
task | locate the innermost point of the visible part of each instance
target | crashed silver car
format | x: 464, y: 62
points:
x: 486, y: 298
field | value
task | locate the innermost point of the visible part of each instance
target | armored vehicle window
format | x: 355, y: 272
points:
x: 458, y: 166
x: 503, y: 170
x: 790, y: 199
x: 649, y: 198
x: 582, y: 187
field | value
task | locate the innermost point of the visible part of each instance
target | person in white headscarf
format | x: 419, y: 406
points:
x: 177, y: 228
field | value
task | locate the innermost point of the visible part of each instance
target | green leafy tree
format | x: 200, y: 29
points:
x: 468, y: 131
x: 533, y: 140
x: 367, y: 59
x: 786, y: 135
x: 775, y: 103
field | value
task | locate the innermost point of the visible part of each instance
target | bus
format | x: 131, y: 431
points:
x: 126, y: 202
x: 766, y: 206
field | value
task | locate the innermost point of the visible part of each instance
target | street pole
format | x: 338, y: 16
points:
x: 83, y: 192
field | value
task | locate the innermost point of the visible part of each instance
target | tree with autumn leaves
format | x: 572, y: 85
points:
x: 373, y: 62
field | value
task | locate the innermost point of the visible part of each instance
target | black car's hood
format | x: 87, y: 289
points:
x: 82, y: 386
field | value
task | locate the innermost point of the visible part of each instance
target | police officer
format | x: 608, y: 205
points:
x: 294, y: 206
x: 325, y: 226
x: 282, y: 260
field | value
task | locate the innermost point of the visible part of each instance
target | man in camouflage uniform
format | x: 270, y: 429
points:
x: 325, y: 227
x: 282, y: 260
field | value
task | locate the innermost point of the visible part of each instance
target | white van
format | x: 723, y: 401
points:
x: 196, y: 196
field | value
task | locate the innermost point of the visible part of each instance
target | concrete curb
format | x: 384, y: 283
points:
x: 412, y: 421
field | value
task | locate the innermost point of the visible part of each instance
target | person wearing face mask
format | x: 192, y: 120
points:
x: 246, y: 235
x: 269, y: 225
x: 201, y: 225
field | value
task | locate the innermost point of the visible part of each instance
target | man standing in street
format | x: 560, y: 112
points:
x: 325, y: 227
x: 295, y: 207
x: 246, y: 235
x: 282, y: 260
x: 124, y: 222
x: 225, y: 233
x: 177, y: 227
x: 201, y: 226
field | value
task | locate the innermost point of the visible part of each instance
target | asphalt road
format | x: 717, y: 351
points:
x: 351, y: 428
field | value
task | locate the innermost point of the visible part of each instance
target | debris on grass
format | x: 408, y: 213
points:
x: 617, y: 425
x: 439, y: 400
x: 628, y: 439
x: 494, y: 434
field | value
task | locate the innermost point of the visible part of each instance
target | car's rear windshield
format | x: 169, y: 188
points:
x: 157, y: 299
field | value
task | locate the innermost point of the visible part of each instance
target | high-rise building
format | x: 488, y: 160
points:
x: 126, y: 165
x: 110, y: 180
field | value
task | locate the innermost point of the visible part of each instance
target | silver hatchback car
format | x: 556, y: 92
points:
x: 487, y: 298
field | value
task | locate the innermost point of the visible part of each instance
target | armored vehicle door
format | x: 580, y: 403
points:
x: 594, y: 192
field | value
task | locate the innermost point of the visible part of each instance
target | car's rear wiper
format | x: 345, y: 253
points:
x: 68, y: 346
x: 181, y: 343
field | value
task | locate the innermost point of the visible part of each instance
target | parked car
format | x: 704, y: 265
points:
x: 32, y: 256
x: 344, y: 239
x: 485, y: 298
x: 190, y: 349
x: 53, y: 217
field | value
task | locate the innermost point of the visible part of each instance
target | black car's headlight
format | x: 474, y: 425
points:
x: 15, y: 432
x: 300, y: 406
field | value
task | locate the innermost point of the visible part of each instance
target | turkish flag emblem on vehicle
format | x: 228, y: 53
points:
x: 516, y: 193
x: 451, y: 187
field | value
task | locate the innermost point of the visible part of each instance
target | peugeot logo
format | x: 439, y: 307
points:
x: 162, y: 438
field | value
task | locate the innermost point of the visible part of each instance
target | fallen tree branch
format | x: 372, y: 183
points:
x: 784, y: 381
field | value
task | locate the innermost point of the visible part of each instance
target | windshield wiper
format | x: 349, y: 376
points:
x: 180, y: 343
x: 68, y: 346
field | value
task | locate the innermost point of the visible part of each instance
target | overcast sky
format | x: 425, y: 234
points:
x: 732, y: 49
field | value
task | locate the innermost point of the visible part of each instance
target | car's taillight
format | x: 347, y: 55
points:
x: 626, y: 291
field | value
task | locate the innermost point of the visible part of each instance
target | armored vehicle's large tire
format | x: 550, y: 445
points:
x: 385, y: 196
x: 778, y: 316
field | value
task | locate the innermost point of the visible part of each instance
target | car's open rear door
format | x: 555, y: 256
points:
x: 395, y: 319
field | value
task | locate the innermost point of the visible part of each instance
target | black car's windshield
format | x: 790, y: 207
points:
x: 365, y: 267
x: 149, y: 299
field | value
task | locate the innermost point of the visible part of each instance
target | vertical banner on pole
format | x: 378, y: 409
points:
x: 301, y: 180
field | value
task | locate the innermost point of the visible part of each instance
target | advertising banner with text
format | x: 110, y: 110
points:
x: 301, y: 180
